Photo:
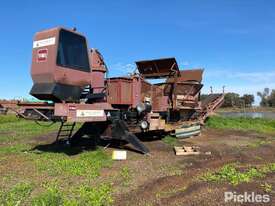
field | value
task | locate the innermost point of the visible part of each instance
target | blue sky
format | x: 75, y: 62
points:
x: 234, y: 40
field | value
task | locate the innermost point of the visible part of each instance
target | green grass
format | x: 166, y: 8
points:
x: 125, y: 173
x: 78, y: 196
x: 14, y: 149
x: 16, y: 195
x: 231, y: 173
x: 172, y: 141
x: 98, y: 196
x: 86, y: 164
x: 8, y: 119
x: 52, y: 195
x: 12, y: 128
x: 241, y: 123
x: 79, y: 169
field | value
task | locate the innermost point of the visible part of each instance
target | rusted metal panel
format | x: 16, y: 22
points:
x: 187, y: 88
x: 159, y: 101
x: 113, y: 92
x: 126, y: 92
x: 136, y: 91
x: 187, y: 76
x: 158, y: 68
x: 36, y: 105
x: 9, y: 103
x: 146, y: 90
x: 191, y: 75
x: 120, y: 91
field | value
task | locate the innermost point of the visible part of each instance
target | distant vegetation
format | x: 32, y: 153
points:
x: 232, y: 99
x: 235, y: 100
x: 267, y: 98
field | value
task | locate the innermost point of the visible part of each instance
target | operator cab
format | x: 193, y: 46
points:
x: 60, y: 65
x: 72, y: 51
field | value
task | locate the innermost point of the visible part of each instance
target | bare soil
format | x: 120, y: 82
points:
x: 165, y: 179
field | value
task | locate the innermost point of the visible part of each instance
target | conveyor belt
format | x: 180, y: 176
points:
x: 209, y: 105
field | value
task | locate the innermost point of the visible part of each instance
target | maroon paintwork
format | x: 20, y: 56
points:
x: 48, y: 71
x: 98, y: 71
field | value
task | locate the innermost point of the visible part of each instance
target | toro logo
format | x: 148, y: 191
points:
x: 42, y: 55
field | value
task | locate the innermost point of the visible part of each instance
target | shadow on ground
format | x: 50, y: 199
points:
x: 83, y: 144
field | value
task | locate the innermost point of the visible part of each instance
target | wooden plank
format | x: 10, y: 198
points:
x: 186, y: 150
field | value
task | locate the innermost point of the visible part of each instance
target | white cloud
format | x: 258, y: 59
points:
x: 253, y: 77
x: 184, y: 63
x: 239, y: 82
x: 120, y: 69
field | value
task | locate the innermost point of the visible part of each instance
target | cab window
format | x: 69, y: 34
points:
x: 72, y: 51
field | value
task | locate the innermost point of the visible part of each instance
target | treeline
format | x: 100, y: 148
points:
x: 235, y: 100
x: 267, y: 97
x: 232, y: 99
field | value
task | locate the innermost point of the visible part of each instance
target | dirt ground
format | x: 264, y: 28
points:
x: 162, y: 178
x: 165, y: 179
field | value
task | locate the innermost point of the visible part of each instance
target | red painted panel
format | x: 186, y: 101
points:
x: 120, y: 91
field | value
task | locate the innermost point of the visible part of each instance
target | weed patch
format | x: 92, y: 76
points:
x: 172, y: 141
x: 82, y: 196
x: 230, y: 173
x: 126, y: 176
x: 16, y: 195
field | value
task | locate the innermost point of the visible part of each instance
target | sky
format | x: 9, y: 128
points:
x: 233, y: 40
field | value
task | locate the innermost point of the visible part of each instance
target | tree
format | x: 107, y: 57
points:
x: 264, y: 97
x: 271, y: 99
x: 231, y: 100
x: 248, y: 99
x: 234, y: 100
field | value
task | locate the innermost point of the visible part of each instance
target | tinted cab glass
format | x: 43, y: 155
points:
x: 72, y: 51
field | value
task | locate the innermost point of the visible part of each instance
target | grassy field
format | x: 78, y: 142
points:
x: 36, y: 172
x: 242, y: 123
x: 12, y: 128
x: 33, y: 177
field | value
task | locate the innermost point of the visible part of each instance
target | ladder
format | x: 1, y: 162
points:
x: 65, y: 130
